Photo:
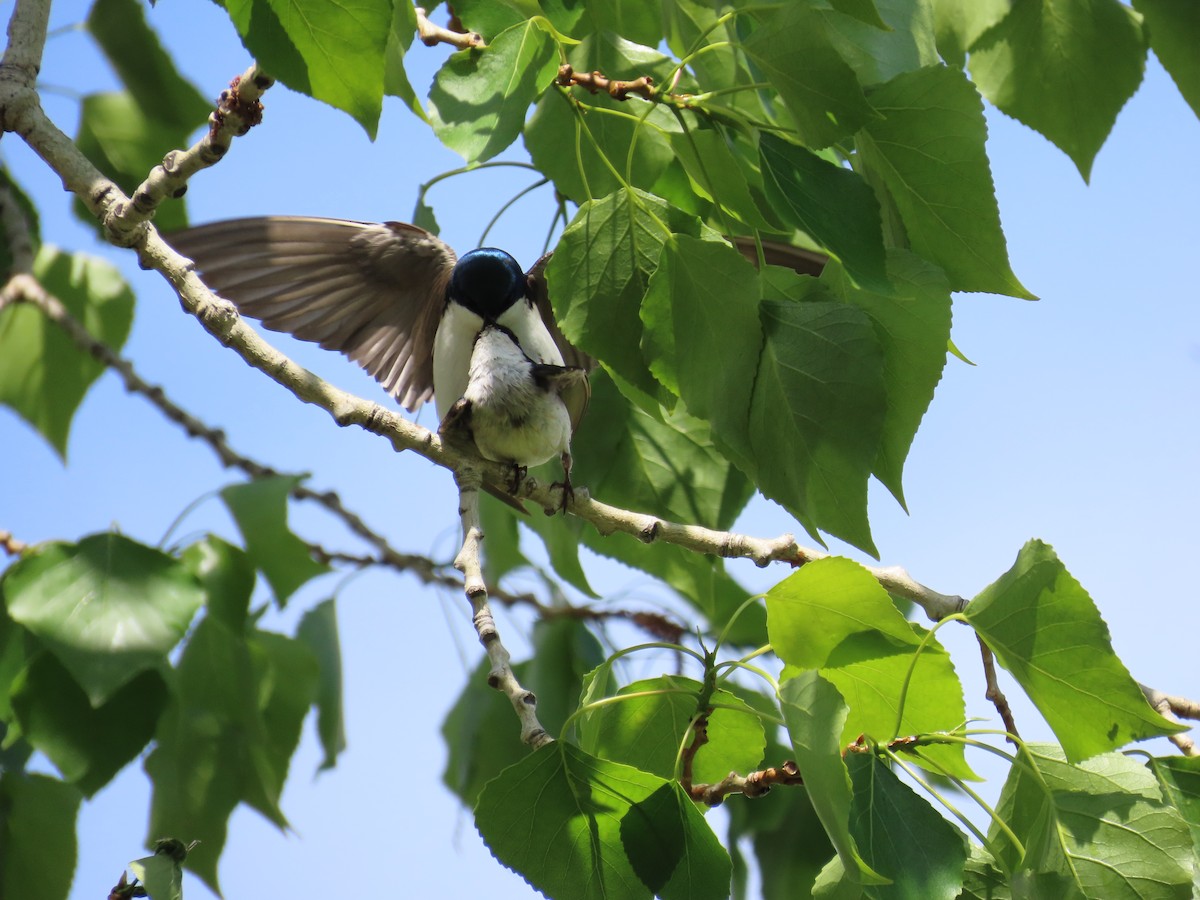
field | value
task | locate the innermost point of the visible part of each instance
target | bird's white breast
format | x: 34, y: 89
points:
x: 455, y: 341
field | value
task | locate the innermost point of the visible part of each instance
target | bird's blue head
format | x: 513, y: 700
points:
x: 487, y: 281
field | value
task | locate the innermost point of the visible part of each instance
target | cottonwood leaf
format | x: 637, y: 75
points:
x: 37, y: 836
x: 901, y: 836
x: 794, y: 51
x: 479, y: 97
x: 318, y: 630
x: 316, y: 48
x: 577, y: 826
x: 44, y: 376
x: 1099, y: 829
x: 259, y: 508
x: 107, y: 607
x: 1064, y: 68
x: 1174, y: 31
x: 927, y: 146
x: 1045, y: 630
x: 815, y: 713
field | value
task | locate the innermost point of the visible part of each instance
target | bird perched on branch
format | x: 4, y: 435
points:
x: 399, y: 302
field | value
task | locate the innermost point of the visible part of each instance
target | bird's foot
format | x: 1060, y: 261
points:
x: 568, y: 492
x: 516, y: 476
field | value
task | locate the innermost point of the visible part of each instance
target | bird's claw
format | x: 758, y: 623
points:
x: 516, y: 476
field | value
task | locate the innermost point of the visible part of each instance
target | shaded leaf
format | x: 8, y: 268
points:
x: 107, y: 607
x: 831, y: 203
x: 901, y: 836
x: 574, y: 825
x: 815, y: 714
x: 227, y: 576
x: 37, y: 836
x: 146, y: 70
x: 44, y: 376
x: 901, y: 39
x: 318, y: 630
x: 1045, y: 630
x: 1174, y: 31
x: 959, y: 23
x: 87, y: 745
x: 259, y: 508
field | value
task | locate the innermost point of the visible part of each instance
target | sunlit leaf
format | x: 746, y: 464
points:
x: 1174, y: 31
x: 1064, y: 68
x: 1046, y: 631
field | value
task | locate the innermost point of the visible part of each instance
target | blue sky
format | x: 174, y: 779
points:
x: 1077, y: 425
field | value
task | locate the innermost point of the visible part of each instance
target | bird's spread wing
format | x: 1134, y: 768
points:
x: 375, y: 292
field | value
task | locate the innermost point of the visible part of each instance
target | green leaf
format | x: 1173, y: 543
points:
x: 490, y: 17
x: 610, y: 250
x: 561, y: 536
x: 321, y: 49
x: 591, y: 145
x: 863, y: 10
x: 227, y: 576
x: 983, y: 879
x: 928, y: 149
x: 17, y: 648
x: 794, y: 51
x: 1173, y: 27
x: 479, y: 97
x: 260, y: 509
x: 831, y: 203
x: 912, y: 325
x: 1179, y: 779
x: 959, y: 23
x: 227, y: 736
x: 37, y: 836
x: 816, y: 417
x: 790, y: 845
x: 161, y: 876
x: 833, y: 615
x: 107, y: 607
x: 815, y: 714
x: 481, y: 734
x: 1045, y: 630
x: 564, y: 651
x: 318, y: 630
x: 646, y: 732
x: 43, y: 374
x: 87, y: 745
x: 666, y: 467
x: 901, y: 836
x: 146, y: 70
x: 634, y: 19
x: 1064, y: 68
x: 719, y: 175
x: 901, y: 39
x: 502, y: 549
x: 576, y: 826
x: 25, y: 207
x: 1099, y: 829
x: 702, y: 581
x: 125, y: 144
x: 395, y: 78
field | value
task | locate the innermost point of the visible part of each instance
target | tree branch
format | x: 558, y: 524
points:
x: 1172, y: 709
x: 995, y: 695
x: 431, y: 35
x: 597, y: 82
x: 11, y: 545
x: 238, y: 110
x: 468, y: 561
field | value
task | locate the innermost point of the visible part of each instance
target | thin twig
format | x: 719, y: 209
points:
x: 11, y: 545
x: 1171, y: 708
x: 597, y: 82
x: 996, y: 696
x: 756, y: 784
x: 238, y: 110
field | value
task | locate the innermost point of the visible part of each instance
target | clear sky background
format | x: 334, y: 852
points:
x: 1078, y: 425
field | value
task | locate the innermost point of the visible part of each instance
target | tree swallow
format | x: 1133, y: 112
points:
x: 513, y: 407
x: 396, y: 299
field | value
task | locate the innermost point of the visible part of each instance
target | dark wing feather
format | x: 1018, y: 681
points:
x: 576, y: 394
x: 375, y: 292
x: 777, y: 253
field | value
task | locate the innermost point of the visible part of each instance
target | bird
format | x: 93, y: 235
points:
x: 423, y: 322
x: 513, y: 407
